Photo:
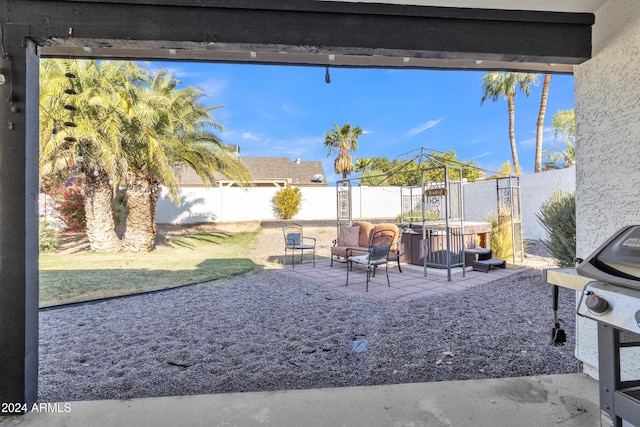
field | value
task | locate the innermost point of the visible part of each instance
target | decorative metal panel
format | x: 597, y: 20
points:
x: 455, y: 200
x: 344, y: 203
x: 509, y: 209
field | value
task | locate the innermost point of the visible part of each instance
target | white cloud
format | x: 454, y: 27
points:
x: 293, y: 111
x: 485, y: 154
x: 213, y: 87
x: 418, y: 130
x: 547, y: 138
x: 181, y: 73
x: 528, y: 142
x: 304, y: 148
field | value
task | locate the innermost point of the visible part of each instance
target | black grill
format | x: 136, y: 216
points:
x: 613, y: 300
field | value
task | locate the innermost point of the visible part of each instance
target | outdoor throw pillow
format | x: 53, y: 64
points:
x: 348, y: 236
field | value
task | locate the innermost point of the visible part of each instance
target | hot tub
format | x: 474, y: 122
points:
x: 413, y: 249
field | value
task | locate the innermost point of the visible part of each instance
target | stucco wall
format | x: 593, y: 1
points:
x: 608, y: 127
x: 608, y: 144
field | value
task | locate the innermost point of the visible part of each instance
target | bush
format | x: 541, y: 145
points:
x: 119, y: 208
x: 70, y: 204
x: 501, y: 237
x: 286, y: 202
x: 558, y: 217
x: 416, y: 216
x: 49, y: 237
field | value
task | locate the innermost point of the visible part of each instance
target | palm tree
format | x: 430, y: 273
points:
x: 537, y: 166
x: 87, y: 149
x: 362, y: 164
x: 56, y: 159
x: 506, y: 85
x: 564, y: 125
x: 168, y: 131
x: 343, y: 140
x: 134, y: 128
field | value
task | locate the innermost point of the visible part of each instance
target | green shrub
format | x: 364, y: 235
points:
x: 286, y: 202
x: 416, y: 216
x: 119, y: 208
x: 49, y: 238
x: 501, y: 237
x: 558, y: 217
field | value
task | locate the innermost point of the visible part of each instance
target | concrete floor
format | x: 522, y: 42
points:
x: 554, y: 400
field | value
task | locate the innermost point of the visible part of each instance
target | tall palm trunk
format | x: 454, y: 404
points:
x: 97, y: 204
x: 512, y: 134
x: 142, y: 198
x: 537, y: 167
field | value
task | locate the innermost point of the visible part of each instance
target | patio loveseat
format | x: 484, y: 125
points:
x: 357, y: 238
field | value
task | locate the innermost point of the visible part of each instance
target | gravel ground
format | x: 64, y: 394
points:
x: 266, y: 331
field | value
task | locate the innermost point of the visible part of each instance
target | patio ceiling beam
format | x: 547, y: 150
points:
x: 303, y: 31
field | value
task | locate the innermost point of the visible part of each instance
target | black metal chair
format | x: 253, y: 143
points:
x: 377, y: 255
x: 294, y: 240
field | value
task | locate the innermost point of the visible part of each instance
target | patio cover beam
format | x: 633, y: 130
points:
x: 303, y: 31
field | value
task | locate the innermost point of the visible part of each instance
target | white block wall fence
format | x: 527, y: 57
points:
x: 232, y: 204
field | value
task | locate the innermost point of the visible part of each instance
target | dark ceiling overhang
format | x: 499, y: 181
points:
x: 307, y: 32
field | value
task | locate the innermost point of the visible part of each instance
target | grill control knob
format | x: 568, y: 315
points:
x: 596, y: 304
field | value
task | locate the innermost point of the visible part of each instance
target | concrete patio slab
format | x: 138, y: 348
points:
x: 555, y: 400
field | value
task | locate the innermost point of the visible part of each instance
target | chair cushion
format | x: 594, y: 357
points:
x: 360, y: 259
x: 387, y: 226
x: 341, y: 251
x: 363, y: 235
x: 349, y: 236
x: 300, y: 246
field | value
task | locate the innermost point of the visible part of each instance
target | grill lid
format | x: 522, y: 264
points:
x: 616, y: 261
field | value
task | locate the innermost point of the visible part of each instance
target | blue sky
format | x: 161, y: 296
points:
x: 283, y: 111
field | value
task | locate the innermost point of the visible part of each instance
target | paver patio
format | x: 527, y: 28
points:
x: 408, y: 285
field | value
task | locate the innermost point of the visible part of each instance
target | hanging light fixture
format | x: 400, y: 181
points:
x: 54, y: 131
x: 72, y: 109
x: 327, y: 76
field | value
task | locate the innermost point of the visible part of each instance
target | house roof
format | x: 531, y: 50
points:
x: 277, y: 171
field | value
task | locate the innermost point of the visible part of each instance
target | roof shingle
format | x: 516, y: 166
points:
x: 268, y: 171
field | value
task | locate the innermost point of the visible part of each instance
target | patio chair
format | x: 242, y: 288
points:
x: 377, y: 255
x: 294, y: 240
